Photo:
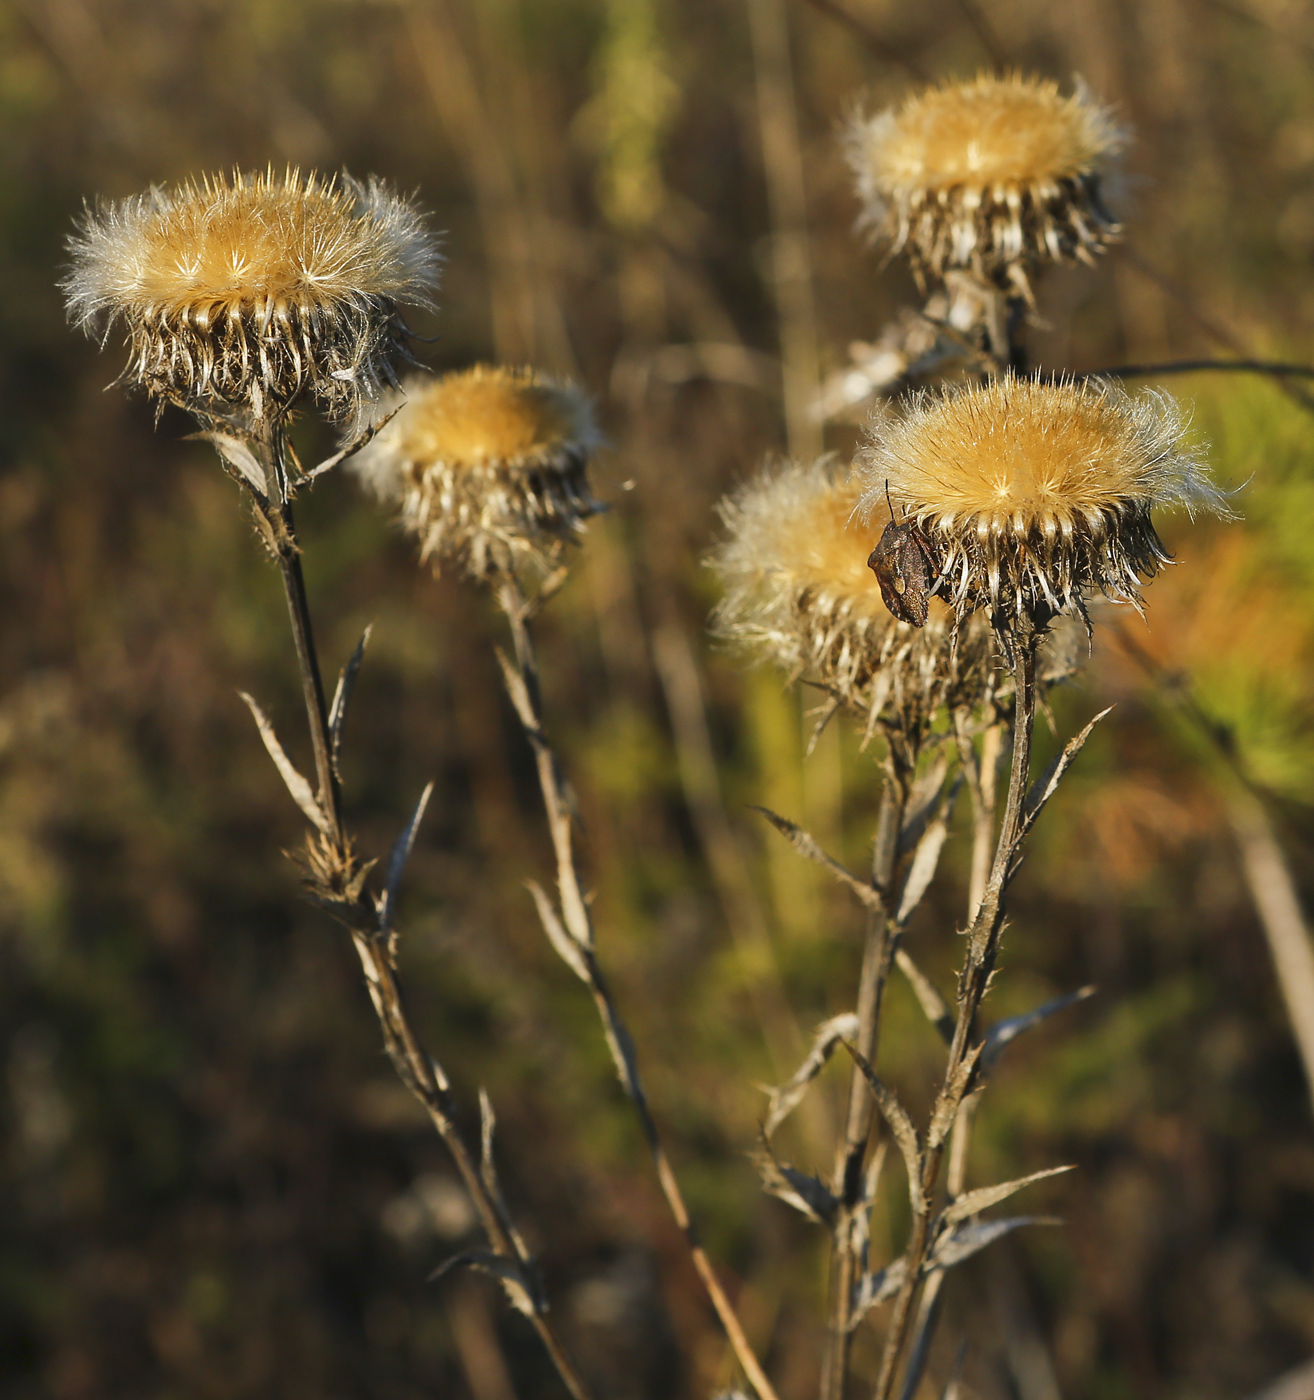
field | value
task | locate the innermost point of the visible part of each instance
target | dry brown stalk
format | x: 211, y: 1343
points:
x: 878, y: 953
x: 569, y: 928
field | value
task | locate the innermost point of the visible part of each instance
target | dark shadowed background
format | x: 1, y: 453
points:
x: 212, y: 1184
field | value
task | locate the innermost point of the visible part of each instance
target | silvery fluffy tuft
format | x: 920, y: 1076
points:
x: 489, y: 466
x: 243, y: 293
x: 797, y: 592
x: 1032, y: 496
x: 991, y: 175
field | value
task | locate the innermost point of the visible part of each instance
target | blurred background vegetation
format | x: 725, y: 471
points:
x: 213, y: 1185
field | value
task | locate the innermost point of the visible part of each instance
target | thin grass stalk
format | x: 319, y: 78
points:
x: 982, y: 949
x: 791, y: 259
x: 1267, y: 870
x: 526, y: 697
x: 418, y: 1070
x: 878, y: 955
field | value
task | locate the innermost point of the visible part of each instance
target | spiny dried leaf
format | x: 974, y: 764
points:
x: 567, y: 949
x: 401, y: 850
x: 785, y: 1099
x: 805, y: 1193
x: 1043, y: 788
x: 922, y: 798
x: 825, y: 713
x: 806, y: 845
x: 301, y: 791
x: 551, y: 585
x: 931, y: 1002
x: 238, y: 459
x: 506, y: 1271
x: 901, y: 1126
x: 951, y: 1097
x: 953, y: 1248
x: 1006, y: 1032
x: 350, y: 449
x: 487, y: 1127
x: 926, y: 857
x: 342, y: 695
x: 974, y: 1202
x: 518, y: 692
x: 875, y: 1288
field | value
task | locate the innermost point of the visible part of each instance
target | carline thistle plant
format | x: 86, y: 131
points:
x: 489, y: 469
x: 1003, y: 507
x: 981, y: 185
x: 1029, y: 497
x: 242, y: 298
x: 994, y: 175
x: 239, y: 294
x: 488, y: 466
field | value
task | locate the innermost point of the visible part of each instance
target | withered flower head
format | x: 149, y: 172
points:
x: 1031, y: 495
x: 991, y: 175
x: 488, y: 465
x: 244, y: 293
x: 797, y: 592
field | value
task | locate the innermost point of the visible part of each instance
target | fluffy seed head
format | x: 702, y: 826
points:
x: 488, y: 465
x: 1032, y: 495
x: 797, y: 591
x: 243, y: 293
x: 991, y: 175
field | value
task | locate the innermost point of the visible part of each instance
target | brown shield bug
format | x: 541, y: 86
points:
x: 904, y: 568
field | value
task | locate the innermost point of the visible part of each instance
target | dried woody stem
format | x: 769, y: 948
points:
x: 877, y: 958
x: 368, y: 919
x: 571, y: 934
x: 982, y: 949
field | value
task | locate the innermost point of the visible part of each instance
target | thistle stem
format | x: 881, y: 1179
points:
x: 312, y: 685
x: 525, y: 694
x: 278, y: 514
x: 878, y: 954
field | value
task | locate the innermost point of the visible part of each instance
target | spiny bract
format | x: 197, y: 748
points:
x: 245, y: 292
x: 798, y: 592
x: 1034, y: 494
x: 991, y: 175
x: 488, y: 465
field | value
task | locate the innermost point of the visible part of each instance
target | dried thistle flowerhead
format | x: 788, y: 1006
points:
x: 242, y: 293
x: 1033, y: 495
x: 488, y: 466
x: 992, y: 175
x: 797, y: 592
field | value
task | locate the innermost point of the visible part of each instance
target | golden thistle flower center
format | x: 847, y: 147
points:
x: 1072, y: 471
x: 997, y: 135
x: 827, y: 553
x: 254, y: 252
x: 480, y: 420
